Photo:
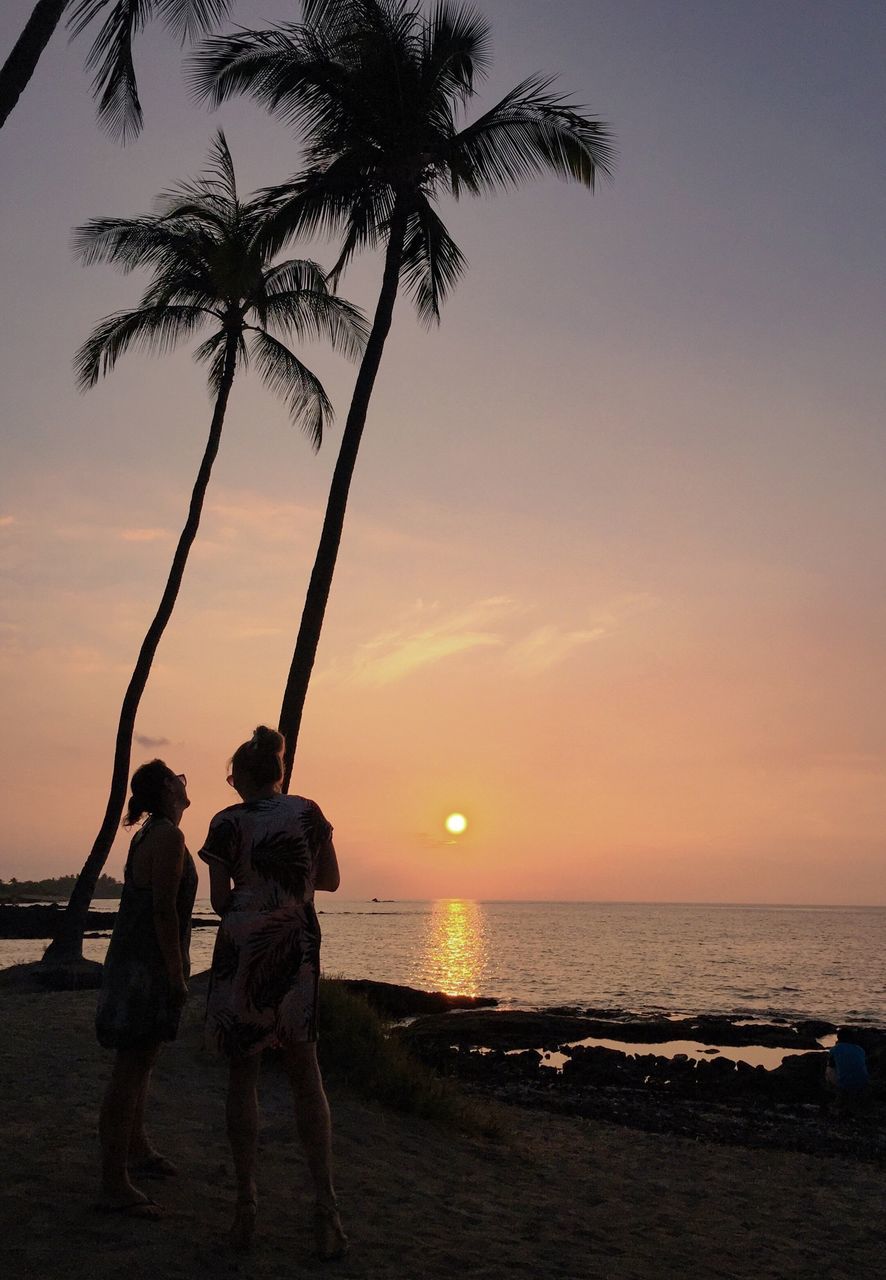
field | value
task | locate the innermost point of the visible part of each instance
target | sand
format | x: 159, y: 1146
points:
x: 557, y: 1199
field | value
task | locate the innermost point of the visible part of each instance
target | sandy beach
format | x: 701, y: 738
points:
x: 557, y: 1197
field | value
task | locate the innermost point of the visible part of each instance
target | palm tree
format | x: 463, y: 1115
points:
x: 110, y: 58
x: 209, y: 255
x: 378, y: 91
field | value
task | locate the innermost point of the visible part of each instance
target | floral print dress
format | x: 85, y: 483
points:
x: 265, y: 973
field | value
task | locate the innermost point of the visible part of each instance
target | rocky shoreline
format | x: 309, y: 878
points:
x: 515, y: 1057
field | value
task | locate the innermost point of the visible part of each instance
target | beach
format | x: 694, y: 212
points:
x: 563, y: 1197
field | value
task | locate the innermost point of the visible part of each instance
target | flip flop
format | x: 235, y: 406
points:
x: 242, y: 1230
x: 154, y: 1166
x: 148, y: 1210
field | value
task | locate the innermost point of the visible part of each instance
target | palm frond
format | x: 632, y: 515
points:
x: 220, y: 169
x: 110, y: 58
x: 154, y: 330
x: 432, y: 262
x: 317, y: 315
x: 181, y: 285
x: 285, y: 375
x: 456, y: 51
x: 212, y: 352
x: 188, y: 19
x: 128, y: 243
x: 530, y: 131
x: 325, y: 202
x: 329, y: 18
x: 114, y: 82
x: 225, y: 65
x: 295, y: 274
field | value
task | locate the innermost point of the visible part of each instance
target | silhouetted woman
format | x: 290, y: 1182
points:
x: 144, y: 983
x: 266, y: 857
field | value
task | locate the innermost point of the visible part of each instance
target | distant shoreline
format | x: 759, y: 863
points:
x: 37, y: 921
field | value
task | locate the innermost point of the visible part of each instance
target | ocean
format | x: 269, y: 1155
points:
x: 754, y: 961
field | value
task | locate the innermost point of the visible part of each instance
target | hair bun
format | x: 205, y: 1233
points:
x: 261, y: 758
x: 266, y: 739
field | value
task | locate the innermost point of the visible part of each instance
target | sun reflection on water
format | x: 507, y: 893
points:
x: 455, y: 948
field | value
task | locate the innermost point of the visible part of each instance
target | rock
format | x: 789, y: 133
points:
x: 395, y: 1001
x: 816, y: 1027
x: 800, y: 1078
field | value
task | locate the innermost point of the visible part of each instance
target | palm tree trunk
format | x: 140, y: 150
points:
x: 67, y: 944
x: 19, y: 66
x: 327, y: 552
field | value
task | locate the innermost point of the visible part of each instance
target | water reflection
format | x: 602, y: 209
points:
x: 454, y: 953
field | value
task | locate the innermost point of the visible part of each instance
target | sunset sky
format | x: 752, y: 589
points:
x: 612, y: 579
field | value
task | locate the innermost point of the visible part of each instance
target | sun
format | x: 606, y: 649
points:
x: 456, y: 824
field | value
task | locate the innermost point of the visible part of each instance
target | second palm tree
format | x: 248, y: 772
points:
x: 377, y: 89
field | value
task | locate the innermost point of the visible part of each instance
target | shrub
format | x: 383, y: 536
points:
x: 356, y: 1049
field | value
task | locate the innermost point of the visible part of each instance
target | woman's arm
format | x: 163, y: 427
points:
x: 328, y: 876
x: 167, y: 864
x: 219, y: 886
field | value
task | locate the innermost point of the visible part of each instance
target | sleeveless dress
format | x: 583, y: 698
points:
x: 134, y: 1008
x: 265, y: 975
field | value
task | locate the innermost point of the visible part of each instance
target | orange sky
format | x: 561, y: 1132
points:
x: 612, y: 580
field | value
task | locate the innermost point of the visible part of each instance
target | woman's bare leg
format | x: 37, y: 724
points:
x: 315, y: 1130
x: 139, y: 1146
x: 128, y: 1076
x: 242, y: 1118
x: 312, y: 1116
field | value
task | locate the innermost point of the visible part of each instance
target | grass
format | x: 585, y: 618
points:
x: 356, y: 1049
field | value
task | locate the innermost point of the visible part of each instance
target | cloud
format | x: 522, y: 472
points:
x: 151, y: 744
x: 427, y: 636
x: 394, y: 654
x: 6, y: 521
x: 144, y: 535
x: 550, y: 644
x: 547, y: 646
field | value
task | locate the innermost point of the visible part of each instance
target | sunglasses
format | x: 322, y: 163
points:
x: 230, y: 779
x: 182, y: 779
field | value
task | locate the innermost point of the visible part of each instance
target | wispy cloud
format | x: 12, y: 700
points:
x: 547, y: 646
x: 151, y: 744
x: 427, y: 637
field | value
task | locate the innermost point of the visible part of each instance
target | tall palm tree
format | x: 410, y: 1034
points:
x: 210, y: 259
x: 378, y: 91
x: 110, y: 58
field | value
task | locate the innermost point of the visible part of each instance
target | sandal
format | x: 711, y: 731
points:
x: 154, y: 1166
x: 148, y: 1210
x: 242, y: 1230
x: 328, y: 1232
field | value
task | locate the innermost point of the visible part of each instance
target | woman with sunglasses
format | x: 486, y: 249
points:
x: 267, y: 856
x: 144, y: 982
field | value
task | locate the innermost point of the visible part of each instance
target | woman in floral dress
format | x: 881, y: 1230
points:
x: 266, y: 856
